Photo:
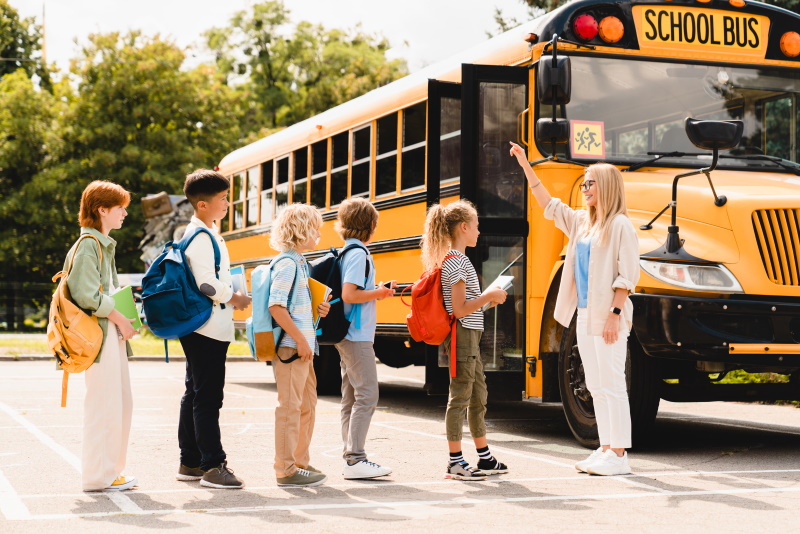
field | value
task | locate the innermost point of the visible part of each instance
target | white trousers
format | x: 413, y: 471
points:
x: 604, y: 367
x: 107, y: 413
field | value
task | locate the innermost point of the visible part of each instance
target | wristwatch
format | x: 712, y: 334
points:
x: 615, y: 311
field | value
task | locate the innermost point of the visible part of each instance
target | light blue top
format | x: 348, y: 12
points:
x: 284, y: 276
x: 583, y: 249
x: 362, y: 316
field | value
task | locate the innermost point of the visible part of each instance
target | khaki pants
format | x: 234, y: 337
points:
x: 295, y: 413
x: 107, y: 412
x: 468, y: 391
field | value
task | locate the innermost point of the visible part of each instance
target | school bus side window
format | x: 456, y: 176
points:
x: 300, y: 179
x: 252, y: 196
x: 339, y: 171
x: 238, y: 196
x: 319, y: 176
x: 362, y: 162
x: 267, y: 178
x: 413, y: 165
x: 386, y: 160
x: 281, y: 184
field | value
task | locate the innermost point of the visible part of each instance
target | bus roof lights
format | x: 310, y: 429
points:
x: 737, y: 3
x: 790, y: 44
x: 585, y: 27
x: 611, y: 29
x: 532, y: 38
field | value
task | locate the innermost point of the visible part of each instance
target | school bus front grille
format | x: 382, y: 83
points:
x: 778, y: 236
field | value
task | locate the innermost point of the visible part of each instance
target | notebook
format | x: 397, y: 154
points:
x: 124, y: 303
x: 238, y: 279
x: 504, y: 282
x: 319, y: 294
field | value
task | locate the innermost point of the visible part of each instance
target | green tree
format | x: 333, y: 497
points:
x: 20, y: 45
x: 286, y: 73
x: 137, y: 119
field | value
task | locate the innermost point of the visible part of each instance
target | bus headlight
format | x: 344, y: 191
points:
x: 711, y: 278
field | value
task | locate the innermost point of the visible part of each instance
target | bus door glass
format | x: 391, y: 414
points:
x: 444, y: 139
x: 493, y: 101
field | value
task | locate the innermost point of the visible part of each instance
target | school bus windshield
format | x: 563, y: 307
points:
x: 642, y: 105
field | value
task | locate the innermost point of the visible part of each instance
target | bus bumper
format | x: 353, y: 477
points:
x: 752, y: 331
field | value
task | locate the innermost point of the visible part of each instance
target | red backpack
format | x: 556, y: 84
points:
x: 429, y: 321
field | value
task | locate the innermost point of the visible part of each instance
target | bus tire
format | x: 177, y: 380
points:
x: 328, y: 371
x: 642, y: 378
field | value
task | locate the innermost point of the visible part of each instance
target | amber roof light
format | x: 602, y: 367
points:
x: 790, y: 44
x: 611, y: 29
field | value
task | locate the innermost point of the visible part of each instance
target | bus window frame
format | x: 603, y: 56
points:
x: 306, y: 177
x: 345, y: 167
x: 256, y: 197
x: 402, y: 149
x: 270, y: 190
x: 386, y: 155
x: 289, y: 157
x: 241, y: 201
x: 326, y: 173
x: 353, y: 162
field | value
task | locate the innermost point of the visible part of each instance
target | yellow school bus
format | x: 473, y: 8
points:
x: 718, y: 217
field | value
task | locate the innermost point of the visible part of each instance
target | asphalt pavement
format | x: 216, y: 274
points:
x: 713, y: 467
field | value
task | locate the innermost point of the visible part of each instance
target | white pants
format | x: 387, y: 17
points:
x: 106, y: 415
x: 604, y: 367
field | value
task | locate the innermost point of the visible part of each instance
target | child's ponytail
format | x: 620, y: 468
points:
x: 440, y: 223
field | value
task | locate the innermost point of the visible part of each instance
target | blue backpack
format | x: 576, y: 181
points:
x: 264, y: 335
x: 173, y: 304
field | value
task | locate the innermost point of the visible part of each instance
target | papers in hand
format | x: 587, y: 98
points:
x: 238, y: 280
x: 504, y: 282
x: 123, y: 303
x: 319, y: 294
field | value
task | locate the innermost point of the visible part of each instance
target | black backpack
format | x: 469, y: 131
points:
x: 328, y: 270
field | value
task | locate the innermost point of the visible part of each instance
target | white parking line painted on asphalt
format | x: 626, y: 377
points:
x: 457, y: 501
x: 504, y: 450
x: 441, y: 482
x: 123, y: 502
x: 401, y: 379
x: 11, y: 505
x: 735, y: 423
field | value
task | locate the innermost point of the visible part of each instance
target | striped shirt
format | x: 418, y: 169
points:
x: 283, y: 276
x: 455, y: 270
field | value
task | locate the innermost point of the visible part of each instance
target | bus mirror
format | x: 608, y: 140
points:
x: 552, y: 131
x: 554, y: 82
x: 714, y: 135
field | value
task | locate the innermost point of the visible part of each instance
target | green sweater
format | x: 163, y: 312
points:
x: 87, y: 275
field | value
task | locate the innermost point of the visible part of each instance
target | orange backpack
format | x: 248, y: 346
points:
x: 74, y: 337
x: 429, y: 321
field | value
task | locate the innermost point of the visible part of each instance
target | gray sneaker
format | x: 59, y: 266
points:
x: 302, y: 478
x: 464, y: 471
x: 221, y: 477
x: 189, y: 473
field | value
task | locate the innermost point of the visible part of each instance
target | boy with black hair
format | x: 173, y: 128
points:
x: 202, y: 456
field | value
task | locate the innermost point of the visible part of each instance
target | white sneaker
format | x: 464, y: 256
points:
x: 583, y: 464
x: 364, y: 469
x: 609, y: 464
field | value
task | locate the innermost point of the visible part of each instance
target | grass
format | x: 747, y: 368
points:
x: 144, y: 344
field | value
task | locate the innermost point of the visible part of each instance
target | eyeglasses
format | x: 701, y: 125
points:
x: 585, y: 186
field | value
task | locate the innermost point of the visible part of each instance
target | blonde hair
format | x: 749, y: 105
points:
x: 294, y: 226
x: 610, y: 199
x: 357, y: 219
x: 440, y: 226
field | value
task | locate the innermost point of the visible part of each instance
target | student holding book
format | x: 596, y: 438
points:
x: 449, y: 230
x: 600, y: 272
x: 296, y: 230
x: 108, y: 405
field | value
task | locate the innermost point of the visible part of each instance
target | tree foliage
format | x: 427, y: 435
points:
x: 287, y: 73
x: 20, y: 45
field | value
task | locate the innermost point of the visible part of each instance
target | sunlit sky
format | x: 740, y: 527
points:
x: 420, y: 31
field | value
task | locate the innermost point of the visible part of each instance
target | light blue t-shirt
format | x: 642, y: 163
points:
x: 583, y: 249
x: 362, y: 323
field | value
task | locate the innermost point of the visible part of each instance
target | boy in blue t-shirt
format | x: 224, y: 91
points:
x: 356, y: 225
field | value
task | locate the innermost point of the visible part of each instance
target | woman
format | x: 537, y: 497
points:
x: 108, y: 403
x: 600, y: 272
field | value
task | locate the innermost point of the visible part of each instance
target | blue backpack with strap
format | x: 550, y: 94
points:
x: 264, y: 335
x: 173, y: 304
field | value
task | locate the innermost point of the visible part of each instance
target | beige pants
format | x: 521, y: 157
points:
x: 295, y: 413
x: 107, y: 413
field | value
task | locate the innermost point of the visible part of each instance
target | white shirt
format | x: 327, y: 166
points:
x: 200, y: 256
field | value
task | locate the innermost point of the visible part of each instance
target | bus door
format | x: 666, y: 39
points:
x: 494, y: 103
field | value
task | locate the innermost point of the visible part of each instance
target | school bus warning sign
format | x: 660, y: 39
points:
x: 587, y: 139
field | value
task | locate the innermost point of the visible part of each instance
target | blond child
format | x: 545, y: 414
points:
x: 296, y: 230
x: 449, y: 230
x: 356, y: 225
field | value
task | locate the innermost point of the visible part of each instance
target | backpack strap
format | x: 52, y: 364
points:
x: 454, y: 322
x: 75, y: 250
x: 289, y: 302
x: 187, y: 239
x: 355, y: 311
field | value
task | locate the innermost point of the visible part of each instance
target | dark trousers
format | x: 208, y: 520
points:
x: 198, y: 429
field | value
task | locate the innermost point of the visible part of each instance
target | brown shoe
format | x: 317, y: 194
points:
x: 189, y: 473
x: 221, y: 477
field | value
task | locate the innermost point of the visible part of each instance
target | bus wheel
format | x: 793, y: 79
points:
x: 328, y: 371
x: 575, y: 396
x: 642, y: 377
